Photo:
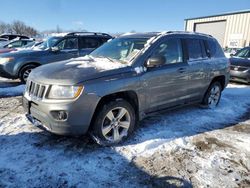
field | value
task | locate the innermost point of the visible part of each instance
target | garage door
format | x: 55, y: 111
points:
x: 216, y: 29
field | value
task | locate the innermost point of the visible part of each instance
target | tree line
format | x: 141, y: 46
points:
x: 17, y: 27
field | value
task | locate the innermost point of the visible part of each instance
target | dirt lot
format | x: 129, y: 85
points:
x: 189, y: 147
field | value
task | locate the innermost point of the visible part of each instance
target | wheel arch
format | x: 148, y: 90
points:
x: 27, y: 64
x: 130, y: 96
x: 221, y: 79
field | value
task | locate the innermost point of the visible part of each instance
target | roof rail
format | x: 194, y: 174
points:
x: 89, y: 33
x: 189, y: 32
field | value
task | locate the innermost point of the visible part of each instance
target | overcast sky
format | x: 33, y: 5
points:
x: 113, y: 15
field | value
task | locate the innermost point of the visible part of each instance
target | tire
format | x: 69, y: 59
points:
x: 213, y: 95
x: 108, y: 128
x: 25, y: 71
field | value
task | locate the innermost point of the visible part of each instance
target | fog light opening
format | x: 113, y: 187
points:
x: 60, y: 115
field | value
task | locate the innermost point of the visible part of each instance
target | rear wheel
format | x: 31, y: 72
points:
x: 213, y: 95
x: 25, y: 71
x: 114, y: 122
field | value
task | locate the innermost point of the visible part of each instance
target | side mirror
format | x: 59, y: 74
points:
x: 55, y: 49
x: 156, y: 61
x: 10, y: 46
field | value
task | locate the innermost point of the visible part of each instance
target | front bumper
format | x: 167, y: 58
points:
x: 79, y: 112
x: 240, y: 76
x: 5, y: 74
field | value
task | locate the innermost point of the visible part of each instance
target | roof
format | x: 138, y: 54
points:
x: 153, y: 34
x: 140, y: 35
x: 223, y: 14
x: 7, y: 34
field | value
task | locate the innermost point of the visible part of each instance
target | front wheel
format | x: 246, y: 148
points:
x: 114, y: 122
x: 213, y: 95
x: 25, y: 71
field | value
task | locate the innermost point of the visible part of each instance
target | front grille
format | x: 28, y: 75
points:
x: 238, y: 68
x: 36, y: 90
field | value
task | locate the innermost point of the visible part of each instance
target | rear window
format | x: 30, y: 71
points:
x: 214, y: 49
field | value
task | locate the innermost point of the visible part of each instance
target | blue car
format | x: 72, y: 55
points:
x: 19, y: 64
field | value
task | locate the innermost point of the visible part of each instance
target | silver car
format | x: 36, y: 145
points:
x: 107, y: 92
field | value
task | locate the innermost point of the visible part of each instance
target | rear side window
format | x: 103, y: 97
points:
x: 196, y: 49
x: 89, y: 42
x: 103, y: 40
x: 214, y: 49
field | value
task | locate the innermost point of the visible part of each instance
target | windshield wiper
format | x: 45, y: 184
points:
x: 110, y: 59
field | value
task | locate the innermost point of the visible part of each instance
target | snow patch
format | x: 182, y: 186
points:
x: 12, y: 91
x: 98, y: 63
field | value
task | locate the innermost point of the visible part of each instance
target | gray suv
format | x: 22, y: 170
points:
x: 107, y: 92
x: 19, y: 64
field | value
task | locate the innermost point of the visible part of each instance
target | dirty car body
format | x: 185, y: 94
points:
x: 182, y: 80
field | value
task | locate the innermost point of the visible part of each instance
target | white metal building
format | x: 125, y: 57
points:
x: 230, y: 29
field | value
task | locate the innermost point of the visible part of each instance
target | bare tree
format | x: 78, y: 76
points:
x: 18, y: 27
x: 5, y: 28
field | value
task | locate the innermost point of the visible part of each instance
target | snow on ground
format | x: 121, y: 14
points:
x: 190, y: 147
x: 12, y: 91
x: 10, y: 87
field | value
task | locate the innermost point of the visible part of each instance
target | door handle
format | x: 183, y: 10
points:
x: 182, y: 70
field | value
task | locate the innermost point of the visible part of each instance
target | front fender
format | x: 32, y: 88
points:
x: 22, y: 62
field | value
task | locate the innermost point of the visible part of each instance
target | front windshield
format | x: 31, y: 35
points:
x: 242, y: 53
x: 122, y: 50
x: 29, y: 45
x: 50, y: 42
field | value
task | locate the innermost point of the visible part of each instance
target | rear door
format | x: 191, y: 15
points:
x: 87, y: 44
x: 69, y: 47
x: 199, y: 67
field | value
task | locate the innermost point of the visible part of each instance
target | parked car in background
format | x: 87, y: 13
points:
x: 31, y: 44
x: 13, y: 36
x: 3, y: 40
x: 240, y: 66
x: 123, y: 81
x: 230, y: 51
x: 20, y: 63
x: 14, y: 44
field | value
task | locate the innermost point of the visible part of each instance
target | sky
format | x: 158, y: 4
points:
x: 113, y: 15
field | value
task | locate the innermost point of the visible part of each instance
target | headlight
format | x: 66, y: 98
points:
x: 6, y: 59
x: 64, y: 92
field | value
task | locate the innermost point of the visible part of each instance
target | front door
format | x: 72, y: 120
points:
x: 68, y: 48
x: 167, y: 85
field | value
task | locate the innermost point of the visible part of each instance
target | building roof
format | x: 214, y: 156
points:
x: 223, y: 14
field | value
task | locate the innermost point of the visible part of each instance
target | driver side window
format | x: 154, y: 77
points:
x: 68, y: 44
x: 171, y: 49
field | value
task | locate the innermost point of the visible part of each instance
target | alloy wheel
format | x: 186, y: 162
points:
x: 214, y: 96
x: 26, y: 74
x: 116, y: 124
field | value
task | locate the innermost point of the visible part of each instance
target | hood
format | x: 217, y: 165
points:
x: 21, y: 53
x: 244, y: 62
x: 6, y: 50
x: 77, y: 70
